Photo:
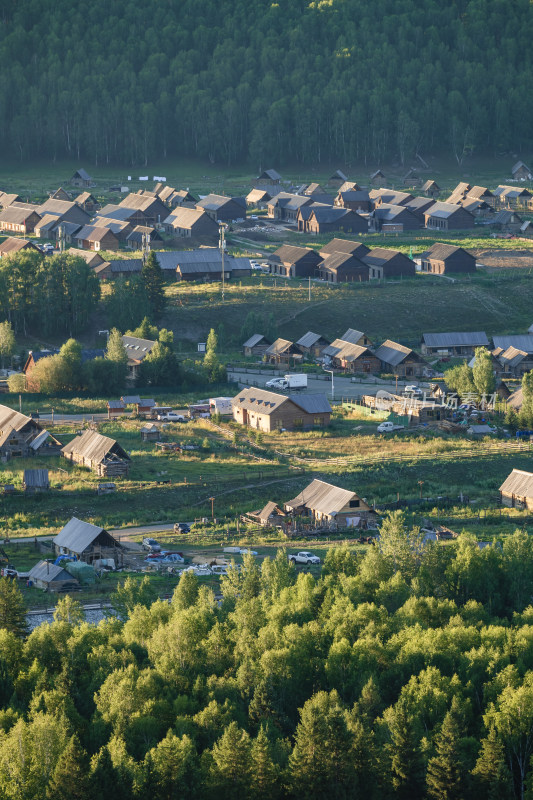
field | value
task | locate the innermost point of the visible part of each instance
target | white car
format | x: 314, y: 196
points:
x: 304, y: 557
x: 173, y: 416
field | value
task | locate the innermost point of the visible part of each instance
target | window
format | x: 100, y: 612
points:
x: 318, y: 421
x: 298, y: 423
x: 355, y: 503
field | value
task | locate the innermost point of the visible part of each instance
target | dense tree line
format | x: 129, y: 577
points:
x: 404, y: 672
x: 47, y: 296
x: 227, y: 80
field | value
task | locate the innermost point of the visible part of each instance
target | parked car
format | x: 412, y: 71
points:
x: 181, y: 527
x: 304, y: 557
x: 151, y: 545
x: 173, y: 416
x: 413, y: 389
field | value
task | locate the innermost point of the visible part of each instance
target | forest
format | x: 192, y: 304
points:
x: 403, y: 671
x: 261, y: 82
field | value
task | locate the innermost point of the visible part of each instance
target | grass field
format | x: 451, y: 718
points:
x: 401, y: 310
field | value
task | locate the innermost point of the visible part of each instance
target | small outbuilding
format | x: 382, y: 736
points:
x: 149, y: 432
x: 100, y: 453
x: 517, y: 490
x: 35, y: 480
x: 331, y: 505
x: 51, y: 577
x: 256, y: 345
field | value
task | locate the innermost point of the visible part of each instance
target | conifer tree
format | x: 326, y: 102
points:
x: 70, y: 778
x: 491, y: 769
x: 152, y: 277
x: 12, y: 608
x: 444, y: 778
x: 406, y: 769
x: 265, y: 777
x: 230, y: 769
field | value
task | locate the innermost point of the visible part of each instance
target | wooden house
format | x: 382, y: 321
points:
x: 513, y: 197
x: 86, y: 542
x: 344, y: 246
x: 447, y: 217
x: 342, y: 268
x: 431, y: 189
x: 411, y: 178
x: 268, y: 516
x: 23, y: 436
x: 268, y: 411
x: 18, y: 220
x: 442, y: 259
x: 290, y: 261
x: 377, y: 178
x: 338, y: 178
x: 150, y: 432
x: 325, y: 219
x: 330, y: 505
x: 101, y: 454
x: 482, y: 194
x: 459, y: 193
x: 153, y: 209
x: 268, y: 177
x: 137, y: 350
x: 456, y: 344
x: 517, y: 490
x: 521, y: 172
x: 393, y: 218
x: 140, y: 233
x: 258, y: 198
x: 35, y: 480
x: 418, y: 206
x: 353, y: 358
x: 512, y: 362
x: 392, y: 197
x: 64, y: 211
x: 223, y: 209
x: 354, y: 200
x: 96, y: 238
x: 187, y: 222
x: 284, y: 206
x: 256, y: 345
x: 60, y: 194
x: 399, y: 360
x: 7, y: 199
x: 284, y: 352
x: 312, y: 344
x: 384, y: 263
x: 91, y: 258
x: 87, y: 201
x: 115, y: 408
x: 82, y: 179
x: 14, y: 244
x: 354, y: 337
x: 50, y: 577
x: 506, y: 220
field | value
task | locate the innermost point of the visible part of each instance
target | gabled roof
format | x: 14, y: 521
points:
x: 215, y: 202
x: 278, y: 347
x: 330, y: 214
x: 289, y: 201
x: 338, y: 175
x: 289, y: 254
x: 513, y: 192
x: 516, y: 399
x: 13, y: 245
x: 15, y: 216
x: 391, y: 196
x: 257, y: 196
x: 90, y: 233
x: 460, y: 191
x: 380, y: 255
x: 348, y: 186
x: 430, y: 185
x: 48, y: 573
x: 11, y: 420
x: 346, y: 351
x: 440, y: 252
x: 309, y: 339
x: 323, y: 498
x: 312, y: 403
x: 387, y: 212
x: 136, y: 348
x: 185, y: 217
x: 444, y: 210
x: 255, y: 339
x: 479, y: 193
x: 81, y: 173
x: 393, y: 353
x: 95, y: 447
x: 259, y: 400
x: 512, y: 356
x: 504, y: 217
x: 269, y: 174
x: 345, y: 246
x: 519, y: 483
x: 521, y: 342
x: 351, y: 335
x: 519, y: 165
x: 77, y: 535
x: 455, y: 339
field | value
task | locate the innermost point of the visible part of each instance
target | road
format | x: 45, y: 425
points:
x: 343, y: 387
x: 59, y: 418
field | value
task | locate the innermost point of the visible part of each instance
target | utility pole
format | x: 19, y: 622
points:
x: 61, y: 231
x: 309, y: 288
x: 145, y: 248
x: 212, y: 507
x: 222, y: 248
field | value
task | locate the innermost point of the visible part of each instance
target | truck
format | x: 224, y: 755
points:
x: 389, y: 427
x: 304, y: 557
x: 295, y: 381
x: 221, y: 405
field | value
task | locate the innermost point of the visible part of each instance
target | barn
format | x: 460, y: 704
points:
x: 100, y: 453
x: 86, y: 542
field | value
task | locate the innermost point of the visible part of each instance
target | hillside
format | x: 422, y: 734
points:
x: 294, y: 81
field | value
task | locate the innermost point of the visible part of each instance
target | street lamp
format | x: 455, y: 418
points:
x: 332, y: 382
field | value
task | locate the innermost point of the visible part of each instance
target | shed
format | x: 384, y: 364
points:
x: 400, y: 360
x: 282, y: 351
x: 82, y: 178
x: 521, y: 171
x: 115, y: 408
x: 86, y: 542
x: 441, y: 259
x: 312, y: 344
x: 49, y: 576
x: 35, y: 480
x: 149, y: 432
x: 431, y: 189
x: 517, y: 490
x: 256, y: 345
x: 100, y: 453
x: 455, y: 343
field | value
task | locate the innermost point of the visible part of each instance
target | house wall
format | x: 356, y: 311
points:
x: 366, y: 363
x: 514, y: 501
x: 287, y: 416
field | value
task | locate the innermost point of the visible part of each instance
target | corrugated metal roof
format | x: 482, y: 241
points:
x: 308, y: 339
x: 267, y: 510
x: 36, y: 478
x: 443, y: 210
x: 512, y: 356
x: 456, y: 339
x: 77, y: 535
x: 12, y: 420
x: 322, y: 497
x: 279, y: 346
x: 345, y: 246
x: 352, y: 335
x: 440, y: 251
x: 115, y: 404
x: 521, y: 342
x: 519, y: 483
x: 311, y: 403
x: 95, y: 447
x: 253, y: 340
x: 47, y: 572
x: 39, y: 440
x: 392, y: 353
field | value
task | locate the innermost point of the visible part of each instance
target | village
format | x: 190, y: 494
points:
x: 380, y: 397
